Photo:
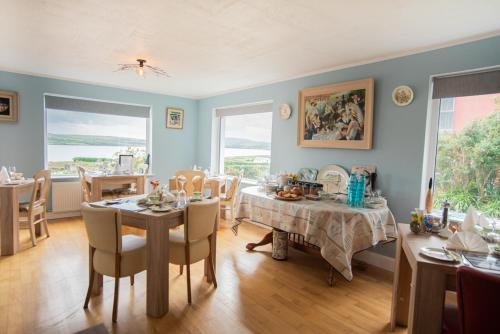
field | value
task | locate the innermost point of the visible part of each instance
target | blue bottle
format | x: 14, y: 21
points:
x: 351, y: 191
x: 360, y: 191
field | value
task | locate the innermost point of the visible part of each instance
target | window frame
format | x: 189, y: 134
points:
x: 45, y: 129
x: 432, y: 131
x: 218, y: 128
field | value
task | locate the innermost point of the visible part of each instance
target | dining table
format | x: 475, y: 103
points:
x: 331, y: 226
x: 420, y: 282
x: 10, y: 196
x: 98, y: 181
x: 157, y: 226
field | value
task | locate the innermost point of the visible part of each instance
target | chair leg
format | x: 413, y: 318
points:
x: 181, y: 269
x: 188, y: 279
x: 45, y: 224
x: 91, y: 278
x: 212, y: 271
x: 131, y: 279
x: 117, y: 285
x: 188, y: 271
x: 32, y: 232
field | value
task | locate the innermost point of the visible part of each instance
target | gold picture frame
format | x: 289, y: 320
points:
x: 337, y: 116
x: 175, y: 118
x: 9, y: 102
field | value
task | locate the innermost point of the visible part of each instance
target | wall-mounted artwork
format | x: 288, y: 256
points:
x: 337, y: 116
x: 8, y: 106
x: 175, y: 118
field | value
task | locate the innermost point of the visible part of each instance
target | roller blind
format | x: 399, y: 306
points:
x: 89, y: 106
x: 479, y: 83
x: 253, y: 109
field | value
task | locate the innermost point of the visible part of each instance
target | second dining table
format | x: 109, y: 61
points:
x: 157, y: 226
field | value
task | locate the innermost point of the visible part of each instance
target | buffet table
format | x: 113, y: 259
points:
x: 338, y: 230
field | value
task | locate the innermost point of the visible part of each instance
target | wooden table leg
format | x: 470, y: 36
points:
x: 139, y: 185
x: 96, y: 191
x: 98, y: 281
x: 426, y: 300
x: 400, y: 288
x: 9, y: 221
x: 157, y: 270
x: 268, y: 238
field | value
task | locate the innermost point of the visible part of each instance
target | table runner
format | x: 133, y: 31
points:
x: 338, y: 230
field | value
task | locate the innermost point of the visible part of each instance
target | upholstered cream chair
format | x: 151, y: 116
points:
x: 84, y: 185
x: 195, y: 180
x: 110, y: 253
x: 36, y: 209
x: 228, y: 200
x: 193, y: 242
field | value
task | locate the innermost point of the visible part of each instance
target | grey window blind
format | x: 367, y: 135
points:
x: 479, y: 83
x: 251, y: 109
x: 89, y: 106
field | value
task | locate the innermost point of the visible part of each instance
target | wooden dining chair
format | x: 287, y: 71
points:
x: 84, y: 185
x: 228, y: 200
x: 195, y: 180
x: 36, y: 210
x: 111, y: 254
x: 193, y: 242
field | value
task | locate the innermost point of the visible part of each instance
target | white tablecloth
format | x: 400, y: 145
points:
x: 338, y: 230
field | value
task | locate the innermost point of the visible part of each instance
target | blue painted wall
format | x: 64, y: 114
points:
x: 398, y: 133
x: 21, y: 143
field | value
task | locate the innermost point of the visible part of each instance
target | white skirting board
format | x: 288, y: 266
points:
x: 376, y: 260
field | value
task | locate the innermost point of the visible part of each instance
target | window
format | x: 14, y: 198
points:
x: 466, y: 149
x: 245, y: 141
x: 93, y: 134
x: 446, y: 108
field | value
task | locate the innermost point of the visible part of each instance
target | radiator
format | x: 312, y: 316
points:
x: 66, y: 196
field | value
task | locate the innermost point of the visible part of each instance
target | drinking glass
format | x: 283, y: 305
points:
x: 181, y: 195
x: 12, y: 172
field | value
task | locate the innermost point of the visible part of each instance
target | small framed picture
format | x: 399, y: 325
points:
x: 175, y: 118
x: 8, y: 106
x: 126, y: 162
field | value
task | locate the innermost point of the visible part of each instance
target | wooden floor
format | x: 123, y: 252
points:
x: 42, y: 290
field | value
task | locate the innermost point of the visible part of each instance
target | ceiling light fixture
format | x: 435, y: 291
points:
x: 141, y: 68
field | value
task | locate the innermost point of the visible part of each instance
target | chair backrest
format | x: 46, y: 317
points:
x: 103, y: 227
x: 84, y: 185
x: 200, y: 219
x: 40, y: 189
x: 195, y: 180
x: 478, y: 295
x: 234, y: 184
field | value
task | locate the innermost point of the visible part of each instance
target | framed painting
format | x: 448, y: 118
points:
x: 175, y: 118
x: 337, y: 116
x: 8, y: 106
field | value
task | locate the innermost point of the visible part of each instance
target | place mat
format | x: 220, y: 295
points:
x: 483, y: 261
x: 128, y: 206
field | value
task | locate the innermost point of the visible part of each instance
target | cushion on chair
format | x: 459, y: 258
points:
x: 198, y: 250
x: 133, y: 258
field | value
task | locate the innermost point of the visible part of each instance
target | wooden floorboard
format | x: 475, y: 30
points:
x: 42, y: 290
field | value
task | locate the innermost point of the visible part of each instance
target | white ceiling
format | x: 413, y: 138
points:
x: 214, y: 46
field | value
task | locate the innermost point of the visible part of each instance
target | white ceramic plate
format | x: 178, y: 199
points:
x: 160, y: 209
x: 334, y: 178
x: 437, y: 253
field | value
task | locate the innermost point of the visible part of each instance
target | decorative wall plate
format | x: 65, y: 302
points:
x: 402, y: 96
x: 285, y: 111
x: 333, y: 178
